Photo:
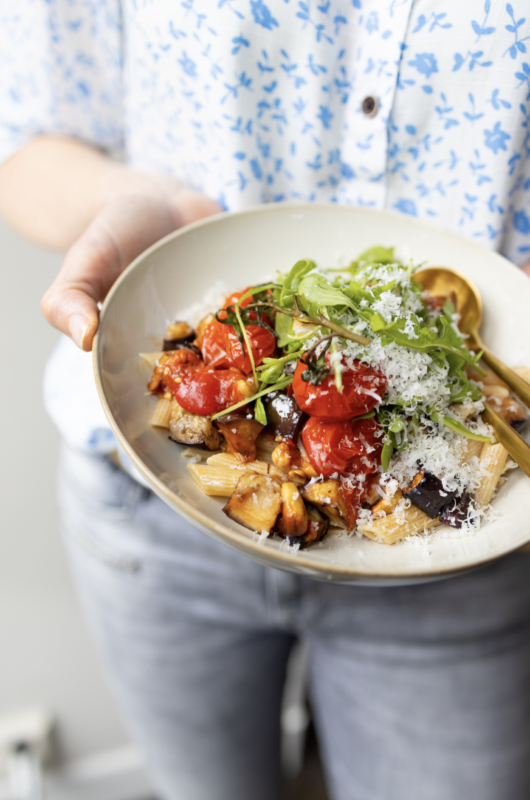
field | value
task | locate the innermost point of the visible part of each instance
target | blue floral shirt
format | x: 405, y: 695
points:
x: 262, y: 100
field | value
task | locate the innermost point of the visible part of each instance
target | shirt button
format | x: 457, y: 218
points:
x: 370, y: 106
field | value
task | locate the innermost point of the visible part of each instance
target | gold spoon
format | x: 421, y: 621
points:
x: 441, y: 280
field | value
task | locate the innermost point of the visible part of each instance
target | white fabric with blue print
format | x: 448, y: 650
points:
x: 256, y: 101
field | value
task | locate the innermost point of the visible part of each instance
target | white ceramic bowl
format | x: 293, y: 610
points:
x: 240, y: 249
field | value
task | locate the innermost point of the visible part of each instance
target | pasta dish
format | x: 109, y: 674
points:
x: 335, y: 399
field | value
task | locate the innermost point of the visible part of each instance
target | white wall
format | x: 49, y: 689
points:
x: 46, y: 656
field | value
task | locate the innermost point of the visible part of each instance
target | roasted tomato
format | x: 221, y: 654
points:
x: 362, y: 389
x: 208, y: 391
x: 172, y: 367
x: 232, y: 299
x: 343, y: 447
x: 221, y: 348
x: 354, y: 494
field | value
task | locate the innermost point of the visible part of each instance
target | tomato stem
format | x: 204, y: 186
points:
x: 283, y: 384
x: 247, y: 342
x: 322, y: 321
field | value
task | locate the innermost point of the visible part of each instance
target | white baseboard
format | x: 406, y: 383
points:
x: 113, y: 775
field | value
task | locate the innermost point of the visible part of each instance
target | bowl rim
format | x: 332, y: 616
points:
x: 240, y: 541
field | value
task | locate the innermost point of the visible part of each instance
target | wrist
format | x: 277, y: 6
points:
x: 184, y: 205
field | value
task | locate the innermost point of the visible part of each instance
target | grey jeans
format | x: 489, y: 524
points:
x: 419, y: 693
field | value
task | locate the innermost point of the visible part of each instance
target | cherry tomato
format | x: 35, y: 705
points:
x: 208, y: 391
x: 171, y: 367
x: 343, y: 447
x: 232, y: 299
x: 353, y: 495
x: 221, y: 348
x: 362, y: 385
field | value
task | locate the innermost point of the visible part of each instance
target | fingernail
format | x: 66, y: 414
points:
x: 78, y: 327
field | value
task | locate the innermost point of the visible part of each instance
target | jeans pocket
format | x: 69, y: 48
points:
x: 99, y: 506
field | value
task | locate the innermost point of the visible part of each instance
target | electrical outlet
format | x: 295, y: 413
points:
x: 30, y: 727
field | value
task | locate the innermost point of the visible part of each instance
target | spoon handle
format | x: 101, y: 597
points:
x: 514, y: 381
x: 515, y: 444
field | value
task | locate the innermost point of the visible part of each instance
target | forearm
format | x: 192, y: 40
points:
x: 66, y: 195
x: 52, y: 189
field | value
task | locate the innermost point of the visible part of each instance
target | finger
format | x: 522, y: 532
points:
x: 90, y: 267
x: 125, y: 227
x: 121, y: 231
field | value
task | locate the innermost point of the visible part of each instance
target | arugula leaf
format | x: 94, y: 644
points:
x: 458, y: 427
x: 259, y: 411
x: 316, y: 292
x: 283, y: 384
x: 387, y: 452
x: 284, y: 329
x: 271, y: 370
x: 291, y: 281
x: 287, y: 338
x: 374, y: 255
x: 377, y: 255
x: 429, y: 340
x: 449, y: 310
x: 463, y: 388
x: 395, y: 426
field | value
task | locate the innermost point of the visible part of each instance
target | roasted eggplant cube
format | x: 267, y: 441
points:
x: 427, y: 493
x: 293, y: 522
x: 456, y: 513
x: 317, y: 528
x: 177, y: 335
x: 284, y: 416
x: 240, y: 435
x: 327, y: 498
x: 183, y: 346
x: 387, y: 504
x: 193, y: 430
x: 256, y: 502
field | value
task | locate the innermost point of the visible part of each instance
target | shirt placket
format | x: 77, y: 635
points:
x: 376, y: 58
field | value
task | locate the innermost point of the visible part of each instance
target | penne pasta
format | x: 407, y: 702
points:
x: 265, y: 447
x: 492, y: 459
x: 473, y: 448
x: 215, y: 481
x: 462, y: 411
x: 392, y: 528
x: 162, y: 413
x: 232, y: 461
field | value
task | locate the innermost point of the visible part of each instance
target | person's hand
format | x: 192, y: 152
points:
x: 132, y: 216
x: 526, y: 268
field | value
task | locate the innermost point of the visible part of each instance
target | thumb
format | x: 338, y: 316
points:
x: 124, y: 227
